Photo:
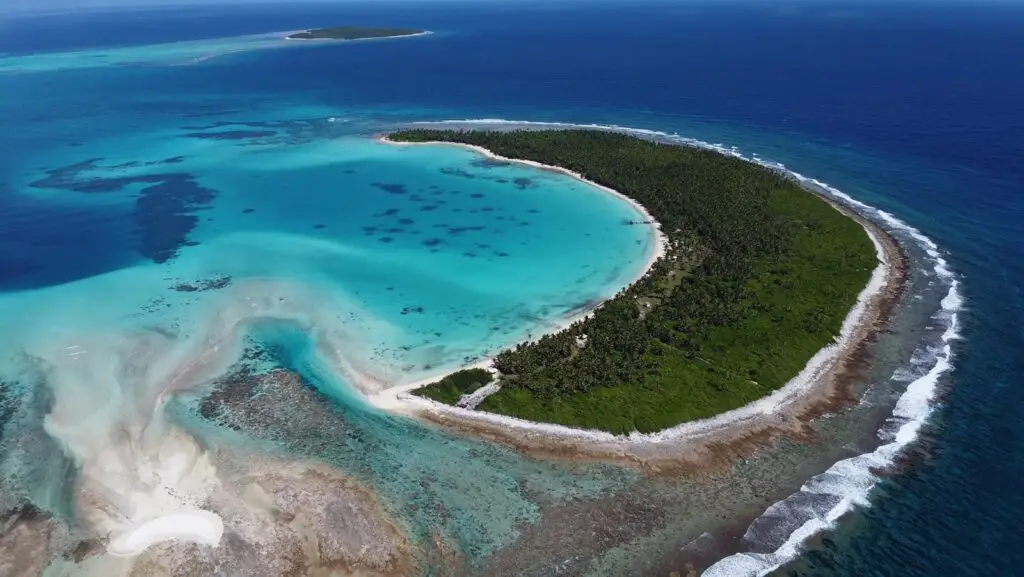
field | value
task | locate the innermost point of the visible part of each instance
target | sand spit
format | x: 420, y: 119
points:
x: 823, y: 386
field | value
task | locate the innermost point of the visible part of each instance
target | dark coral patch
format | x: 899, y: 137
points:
x: 164, y: 211
x: 391, y: 188
x: 386, y: 239
x: 458, y: 172
x: 489, y: 163
x: 476, y: 195
x: 319, y: 226
x: 203, y: 285
x: 461, y: 229
x: 432, y: 242
x: 428, y: 207
x: 405, y: 221
x: 248, y: 210
x: 164, y: 215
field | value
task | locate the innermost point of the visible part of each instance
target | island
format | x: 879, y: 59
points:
x: 354, y: 33
x: 758, y: 275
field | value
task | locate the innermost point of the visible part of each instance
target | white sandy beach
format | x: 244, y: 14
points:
x: 396, y: 398
x: 288, y: 36
x: 771, y: 410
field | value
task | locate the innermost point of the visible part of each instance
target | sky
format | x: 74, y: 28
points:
x: 9, y: 7
x: 17, y: 6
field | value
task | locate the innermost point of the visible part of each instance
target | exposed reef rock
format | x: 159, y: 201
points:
x: 27, y: 541
x: 288, y: 519
x: 204, y: 285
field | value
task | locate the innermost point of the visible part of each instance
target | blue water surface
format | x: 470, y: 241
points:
x: 911, y: 106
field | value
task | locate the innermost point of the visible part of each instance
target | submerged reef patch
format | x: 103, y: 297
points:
x: 390, y: 187
x: 204, y: 285
x: 294, y: 131
x: 489, y: 163
x: 164, y: 211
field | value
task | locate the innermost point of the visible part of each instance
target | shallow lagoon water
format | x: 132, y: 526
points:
x: 150, y: 262
x: 429, y: 256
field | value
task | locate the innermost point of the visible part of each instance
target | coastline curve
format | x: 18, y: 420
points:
x: 785, y: 408
x: 849, y: 482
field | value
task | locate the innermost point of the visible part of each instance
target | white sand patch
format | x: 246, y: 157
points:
x: 195, y: 526
x: 151, y: 491
x: 473, y: 400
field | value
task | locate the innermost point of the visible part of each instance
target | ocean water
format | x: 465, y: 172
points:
x: 147, y: 154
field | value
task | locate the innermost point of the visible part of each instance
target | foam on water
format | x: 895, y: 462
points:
x: 848, y: 483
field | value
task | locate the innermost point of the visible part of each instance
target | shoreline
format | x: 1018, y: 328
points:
x: 288, y: 36
x: 393, y: 398
x: 822, y: 386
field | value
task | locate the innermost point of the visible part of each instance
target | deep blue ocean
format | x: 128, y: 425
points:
x: 913, y: 107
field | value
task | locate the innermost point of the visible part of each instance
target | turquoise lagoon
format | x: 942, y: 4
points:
x: 414, y: 260
x: 150, y: 256
x: 176, y: 224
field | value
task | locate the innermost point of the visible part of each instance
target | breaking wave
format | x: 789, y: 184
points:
x: 778, y: 535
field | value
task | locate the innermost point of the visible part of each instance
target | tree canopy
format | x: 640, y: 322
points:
x: 353, y: 33
x: 758, y: 276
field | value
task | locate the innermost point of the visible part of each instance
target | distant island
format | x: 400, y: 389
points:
x: 354, y: 33
x: 758, y: 276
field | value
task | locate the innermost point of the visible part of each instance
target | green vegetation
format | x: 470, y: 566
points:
x: 353, y: 33
x: 759, y: 276
x: 451, y: 388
